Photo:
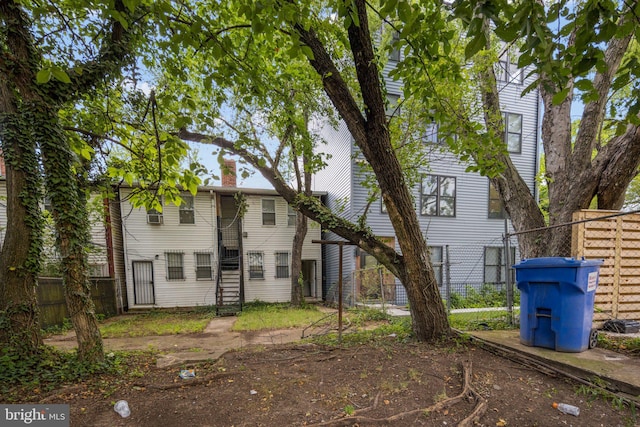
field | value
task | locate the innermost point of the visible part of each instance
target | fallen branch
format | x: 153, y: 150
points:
x: 467, y: 391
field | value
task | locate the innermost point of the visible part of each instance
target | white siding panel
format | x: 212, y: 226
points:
x: 146, y: 242
x: 269, y: 240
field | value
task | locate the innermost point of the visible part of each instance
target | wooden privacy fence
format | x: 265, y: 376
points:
x: 616, y: 240
x: 53, y: 308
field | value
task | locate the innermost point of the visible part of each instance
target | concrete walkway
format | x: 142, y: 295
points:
x: 619, y: 373
x: 211, y: 344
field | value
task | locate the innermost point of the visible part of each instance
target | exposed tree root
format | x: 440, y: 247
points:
x: 468, y: 393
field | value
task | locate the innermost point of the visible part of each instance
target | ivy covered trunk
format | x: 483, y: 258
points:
x: 297, y: 297
x: 72, y: 225
x: 20, y: 256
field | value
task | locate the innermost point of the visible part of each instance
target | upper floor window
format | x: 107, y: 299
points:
x: 507, y: 70
x: 394, y: 55
x: 187, y: 211
x: 438, y: 195
x: 268, y: 212
x: 175, y: 265
x: 154, y: 216
x: 496, y: 207
x: 513, y: 131
x: 393, y: 105
x: 291, y: 216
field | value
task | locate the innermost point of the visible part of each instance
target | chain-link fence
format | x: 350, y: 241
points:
x: 477, y: 282
x: 613, y: 238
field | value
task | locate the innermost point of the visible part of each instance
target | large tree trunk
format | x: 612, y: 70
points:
x: 297, y: 296
x: 72, y: 226
x: 20, y: 256
x: 371, y: 135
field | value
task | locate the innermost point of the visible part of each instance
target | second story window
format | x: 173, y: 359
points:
x: 507, y: 70
x: 187, y: 211
x: 513, y: 131
x: 438, y: 196
x: 291, y: 216
x: 496, y: 208
x: 268, y: 212
x: 154, y: 216
x: 394, y: 55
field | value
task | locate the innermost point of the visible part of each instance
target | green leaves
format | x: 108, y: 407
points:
x: 44, y: 75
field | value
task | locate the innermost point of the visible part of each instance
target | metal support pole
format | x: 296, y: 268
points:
x: 507, y: 272
x: 340, y: 295
x: 447, y: 269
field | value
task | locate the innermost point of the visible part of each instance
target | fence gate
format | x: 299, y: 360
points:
x: 143, y: 282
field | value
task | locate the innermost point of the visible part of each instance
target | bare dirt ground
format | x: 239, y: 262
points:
x: 387, y: 382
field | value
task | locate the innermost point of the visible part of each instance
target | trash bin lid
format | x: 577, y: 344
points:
x: 557, y: 262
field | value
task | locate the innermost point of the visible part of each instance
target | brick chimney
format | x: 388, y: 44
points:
x: 229, y: 173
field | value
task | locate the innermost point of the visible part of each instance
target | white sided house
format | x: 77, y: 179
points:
x: 222, y: 247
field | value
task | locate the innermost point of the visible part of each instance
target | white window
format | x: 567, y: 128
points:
x: 291, y: 216
x: 282, y: 265
x: 507, y: 70
x: 154, y: 216
x: 175, y: 265
x: 256, y: 265
x: 268, y: 212
x: 187, y: 211
x: 394, y: 55
x: 203, y: 265
x: 513, y: 132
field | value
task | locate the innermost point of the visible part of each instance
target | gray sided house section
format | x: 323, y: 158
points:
x: 470, y: 235
x: 337, y: 180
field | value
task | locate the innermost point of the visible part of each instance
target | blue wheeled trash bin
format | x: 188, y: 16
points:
x: 556, y: 302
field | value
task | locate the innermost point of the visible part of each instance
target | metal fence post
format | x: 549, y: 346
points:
x: 447, y: 280
x: 507, y: 272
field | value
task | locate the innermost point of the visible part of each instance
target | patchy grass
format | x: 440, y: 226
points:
x: 155, y: 323
x: 257, y: 316
x: 474, y: 321
x: 620, y: 344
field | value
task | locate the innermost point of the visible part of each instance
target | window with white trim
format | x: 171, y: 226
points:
x: 154, y: 216
x: 394, y: 55
x: 175, y: 265
x: 268, y: 212
x: 438, y: 196
x: 187, y: 211
x: 204, y: 268
x: 507, y: 70
x: 291, y: 216
x: 256, y: 264
x: 282, y: 265
x: 513, y: 131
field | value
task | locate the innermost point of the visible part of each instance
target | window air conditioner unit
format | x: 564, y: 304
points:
x: 154, y: 218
